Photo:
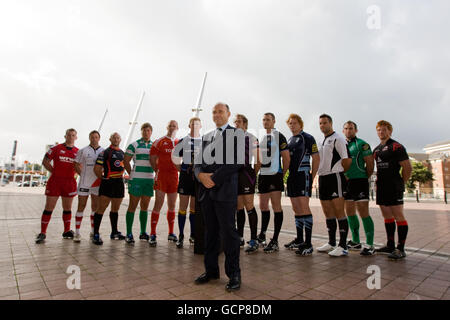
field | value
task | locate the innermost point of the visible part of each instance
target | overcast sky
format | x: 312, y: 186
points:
x: 62, y: 63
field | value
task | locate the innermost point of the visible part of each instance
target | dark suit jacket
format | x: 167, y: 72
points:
x: 225, y: 175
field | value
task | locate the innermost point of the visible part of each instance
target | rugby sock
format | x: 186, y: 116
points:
x: 154, y: 221
x: 113, y: 218
x: 278, y: 222
x: 97, y: 222
x: 181, y: 220
x: 265, y: 218
x: 240, y: 219
x: 45, y: 219
x: 129, y: 219
x: 192, y: 221
x: 402, y: 233
x: 353, y: 223
x: 67, y: 216
x: 171, y: 220
x: 299, y: 224
x: 253, y: 222
x: 332, y: 227
x: 308, y: 222
x: 92, y: 222
x: 143, y: 216
x: 343, y: 232
x: 78, y: 218
x: 389, y: 224
x: 369, y: 229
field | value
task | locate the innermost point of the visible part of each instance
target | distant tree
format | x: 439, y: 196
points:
x: 419, y: 174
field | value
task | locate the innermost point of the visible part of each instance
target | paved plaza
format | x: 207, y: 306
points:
x: 118, y: 271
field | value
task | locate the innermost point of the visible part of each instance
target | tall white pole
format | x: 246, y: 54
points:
x: 103, y: 120
x: 133, y: 122
x: 197, y: 109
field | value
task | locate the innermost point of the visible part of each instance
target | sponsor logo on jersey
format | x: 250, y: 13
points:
x: 365, y: 147
x: 314, y: 148
x: 334, y: 194
x: 65, y: 159
x: 117, y: 163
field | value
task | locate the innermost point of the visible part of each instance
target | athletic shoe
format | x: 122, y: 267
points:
x: 97, y: 240
x: 353, y: 245
x: 385, y: 250
x: 117, y: 236
x: 180, y: 241
x: 191, y: 240
x: 367, y: 251
x: 397, y: 254
x: 272, y: 246
x: 305, y: 250
x: 172, y: 237
x: 152, y: 241
x: 77, y: 238
x: 338, y: 252
x: 252, y: 247
x: 242, y: 243
x: 293, y: 245
x: 326, y: 248
x: 68, y: 235
x: 144, y: 236
x: 262, y: 239
x: 287, y: 245
x: 40, y: 238
x: 129, y: 239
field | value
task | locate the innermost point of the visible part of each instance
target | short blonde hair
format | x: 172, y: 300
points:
x: 384, y: 123
x: 296, y: 117
x: 244, y: 119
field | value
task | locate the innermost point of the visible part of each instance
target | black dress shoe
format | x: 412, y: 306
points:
x: 204, y: 278
x: 233, y: 284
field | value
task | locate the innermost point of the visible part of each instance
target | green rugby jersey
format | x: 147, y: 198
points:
x: 358, y: 149
x: 140, y: 151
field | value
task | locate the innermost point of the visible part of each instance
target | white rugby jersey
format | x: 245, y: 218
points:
x: 332, y: 150
x: 87, y: 157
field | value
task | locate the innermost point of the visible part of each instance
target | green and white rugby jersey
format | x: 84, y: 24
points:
x: 140, y: 151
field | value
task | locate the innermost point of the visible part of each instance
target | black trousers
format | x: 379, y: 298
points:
x: 220, y: 222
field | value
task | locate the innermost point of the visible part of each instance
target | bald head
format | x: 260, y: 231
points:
x: 221, y: 114
x: 115, y: 139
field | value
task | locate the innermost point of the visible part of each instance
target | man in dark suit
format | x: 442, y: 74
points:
x: 218, y: 175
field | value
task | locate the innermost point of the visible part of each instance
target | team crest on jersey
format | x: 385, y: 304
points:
x: 365, y: 147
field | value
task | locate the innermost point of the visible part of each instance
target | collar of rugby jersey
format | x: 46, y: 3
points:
x: 114, y: 148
